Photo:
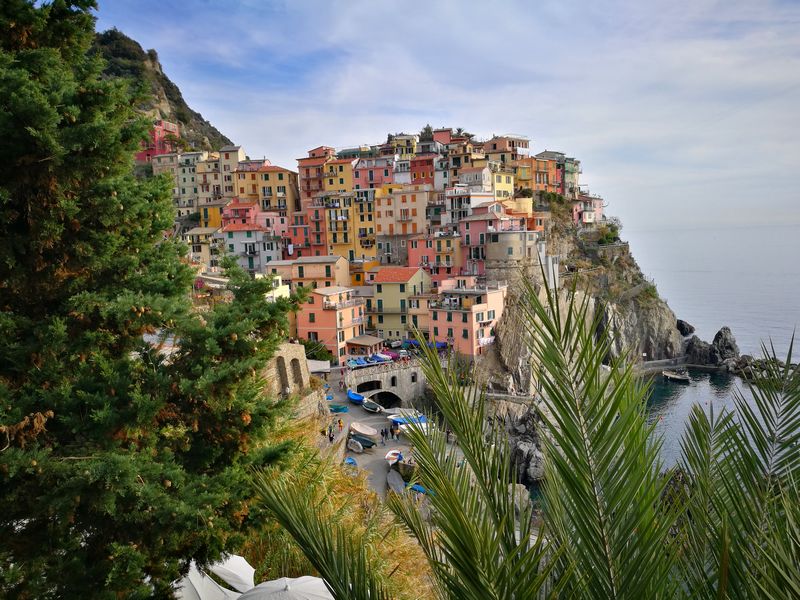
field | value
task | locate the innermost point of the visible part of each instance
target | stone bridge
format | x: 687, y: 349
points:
x: 391, y: 385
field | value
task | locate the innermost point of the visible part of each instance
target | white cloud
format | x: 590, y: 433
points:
x: 679, y: 111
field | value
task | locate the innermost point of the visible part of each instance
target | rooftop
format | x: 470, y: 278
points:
x: 330, y: 291
x: 242, y: 227
x: 365, y: 340
x: 395, y: 274
x: 229, y: 148
x: 318, y: 259
x: 201, y: 230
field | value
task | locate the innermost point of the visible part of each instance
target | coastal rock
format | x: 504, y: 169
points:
x: 722, y: 352
x: 684, y: 328
x: 526, y: 451
x: 522, y: 497
x: 644, y: 329
x: 725, y: 345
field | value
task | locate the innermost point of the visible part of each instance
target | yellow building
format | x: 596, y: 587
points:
x: 246, y: 179
x: 394, y: 287
x: 350, y: 223
x: 278, y: 190
x: 337, y: 175
x: 404, y: 145
x: 359, y: 269
x: 502, y: 181
x: 402, y: 211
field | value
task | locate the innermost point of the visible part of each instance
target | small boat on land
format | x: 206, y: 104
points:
x: 363, y: 441
x: 338, y: 408
x: 678, y: 376
x: 371, y: 406
x: 355, y: 398
x: 350, y: 461
x: 395, y: 482
x: 393, y: 456
x: 355, y: 446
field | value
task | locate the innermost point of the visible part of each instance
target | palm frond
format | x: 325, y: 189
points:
x: 479, y: 542
x: 603, y: 487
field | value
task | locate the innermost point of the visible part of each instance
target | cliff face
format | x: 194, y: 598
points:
x: 126, y: 58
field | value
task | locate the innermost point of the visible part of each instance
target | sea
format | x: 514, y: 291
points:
x: 745, y: 278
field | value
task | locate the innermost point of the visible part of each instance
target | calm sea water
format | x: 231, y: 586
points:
x: 747, y: 279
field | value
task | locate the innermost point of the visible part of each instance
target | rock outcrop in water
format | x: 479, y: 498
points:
x: 722, y: 352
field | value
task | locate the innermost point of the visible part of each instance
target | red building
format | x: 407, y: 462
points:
x: 162, y: 141
x: 423, y: 168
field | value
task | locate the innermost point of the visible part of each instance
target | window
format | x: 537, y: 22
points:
x: 449, y: 332
x: 312, y: 318
x: 380, y: 318
x: 379, y: 288
x: 510, y: 251
x: 464, y: 317
x: 230, y: 235
x: 449, y: 317
x: 327, y: 270
x: 490, y: 315
x: 300, y: 272
x: 402, y: 288
x: 435, y: 331
x: 465, y: 334
x: 435, y: 315
x: 403, y: 319
x: 341, y: 336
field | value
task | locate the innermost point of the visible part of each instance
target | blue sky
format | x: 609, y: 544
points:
x: 681, y: 112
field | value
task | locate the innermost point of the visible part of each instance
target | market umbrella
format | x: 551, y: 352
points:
x: 287, y: 588
x: 196, y: 585
x: 236, y: 572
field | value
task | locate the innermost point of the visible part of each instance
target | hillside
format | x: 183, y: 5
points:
x: 126, y: 58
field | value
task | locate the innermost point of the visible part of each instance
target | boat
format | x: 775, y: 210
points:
x: 405, y: 416
x: 395, y: 482
x: 355, y: 398
x: 393, y: 456
x: 355, y: 446
x: 676, y: 376
x: 362, y: 441
x: 338, y: 408
x: 371, y: 406
x: 364, y: 430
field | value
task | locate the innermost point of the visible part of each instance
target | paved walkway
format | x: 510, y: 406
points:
x: 371, y: 460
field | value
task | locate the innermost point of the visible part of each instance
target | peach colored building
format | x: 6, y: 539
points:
x: 439, y: 254
x: 332, y: 316
x: 320, y: 272
x: 465, y: 314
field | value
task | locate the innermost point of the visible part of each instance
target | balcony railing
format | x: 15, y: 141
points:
x: 327, y: 305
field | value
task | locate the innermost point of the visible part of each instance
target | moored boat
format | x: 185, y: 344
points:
x: 393, y: 456
x: 355, y: 398
x: 371, y: 406
x: 365, y: 442
x: 677, y: 376
x: 355, y: 446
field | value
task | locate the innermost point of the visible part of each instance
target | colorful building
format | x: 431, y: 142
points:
x: 320, y: 272
x: 252, y: 246
x: 465, y: 315
x: 310, y: 172
x: 440, y: 254
x: 203, y: 249
x: 229, y: 159
x: 162, y: 139
x: 393, y: 288
x: 373, y: 173
x: 332, y: 316
x: 338, y: 175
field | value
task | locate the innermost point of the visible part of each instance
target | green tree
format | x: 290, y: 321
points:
x: 724, y: 524
x: 120, y: 460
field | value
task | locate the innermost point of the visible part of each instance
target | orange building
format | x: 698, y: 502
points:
x: 332, y: 316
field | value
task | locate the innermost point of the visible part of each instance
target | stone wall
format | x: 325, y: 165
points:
x: 288, y: 367
x: 405, y: 380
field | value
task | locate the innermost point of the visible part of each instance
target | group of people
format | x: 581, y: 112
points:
x: 392, y: 432
x: 338, y: 423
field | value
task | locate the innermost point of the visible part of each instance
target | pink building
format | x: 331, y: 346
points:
x: 238, y: 211
x: 160, y: 141
x: 474, y: 230
x: 587, y: 210
x: 440, y: 255
x: 465, y: 315
x: 332, y: 316
x: 373, y: 172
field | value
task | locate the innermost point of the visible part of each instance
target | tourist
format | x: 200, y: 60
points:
x: 341, y: 385
x: 383, y: 437
x: 341, y: 425
x: 330, y: 437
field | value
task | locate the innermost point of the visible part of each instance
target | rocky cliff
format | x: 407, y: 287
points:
x: 126, y: 58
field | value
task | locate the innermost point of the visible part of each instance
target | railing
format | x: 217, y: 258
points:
x: 327, y: 305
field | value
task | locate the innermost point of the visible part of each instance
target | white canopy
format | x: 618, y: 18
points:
x: 236, y: 572
x: 199, y: 586
x: 287, y: 588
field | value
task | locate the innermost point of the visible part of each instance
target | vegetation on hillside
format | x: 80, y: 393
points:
x: 121, y: 459
x: 126, y: 59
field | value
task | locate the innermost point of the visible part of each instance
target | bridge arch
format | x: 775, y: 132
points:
x: 387, y: 399
x: 368, y: 386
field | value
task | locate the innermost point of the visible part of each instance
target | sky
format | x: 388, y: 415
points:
x: 683, y: 114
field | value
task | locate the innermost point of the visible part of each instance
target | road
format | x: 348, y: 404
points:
x: 371, y: 460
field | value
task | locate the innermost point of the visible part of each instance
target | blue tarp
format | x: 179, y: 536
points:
x: 418, y: 488
x: 350, y: 461
x: 407, y: 420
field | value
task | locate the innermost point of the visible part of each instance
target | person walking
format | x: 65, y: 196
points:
x: 383, y: 437
x: 341, y: 425
x: 341, y: 385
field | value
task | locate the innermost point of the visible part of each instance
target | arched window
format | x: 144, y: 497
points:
x: 283, y: 374
x: 414, y: 378
x: 394, y: 381
x: 297, y: 373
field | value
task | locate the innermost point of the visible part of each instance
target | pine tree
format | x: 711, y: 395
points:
x: 119, y: 462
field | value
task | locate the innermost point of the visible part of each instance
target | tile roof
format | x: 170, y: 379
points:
x: 395, y: 274
x: 274, y: 169
x: 242, y: 227
x: 229, y: 148
x: 330, y: 291
x: 312, y: 162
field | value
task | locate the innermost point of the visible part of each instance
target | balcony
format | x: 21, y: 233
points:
x: 349, y: 322
x: 404, y: 218
x: 327, y: 305
x: 316, y: 217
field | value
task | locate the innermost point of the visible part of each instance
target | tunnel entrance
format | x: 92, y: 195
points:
x: 368, y: 386
x: 387, y: 399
